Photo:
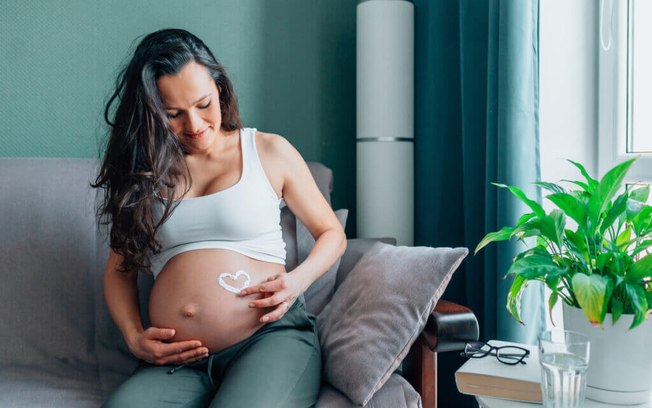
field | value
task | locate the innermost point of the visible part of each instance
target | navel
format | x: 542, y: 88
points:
x: 190, y: 310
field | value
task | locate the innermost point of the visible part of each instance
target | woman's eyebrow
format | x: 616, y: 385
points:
x: 197, y: 101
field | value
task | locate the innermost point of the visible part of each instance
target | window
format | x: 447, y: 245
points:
x: 625, y: 86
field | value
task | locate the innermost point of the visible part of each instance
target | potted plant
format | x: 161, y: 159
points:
x: 593, y: 252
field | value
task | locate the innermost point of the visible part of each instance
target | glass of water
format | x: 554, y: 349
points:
x: 564, y: 357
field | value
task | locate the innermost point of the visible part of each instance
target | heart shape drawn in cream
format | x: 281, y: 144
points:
x: 234, y: 278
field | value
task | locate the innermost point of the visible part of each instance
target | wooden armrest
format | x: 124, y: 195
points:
x: 449, y: 327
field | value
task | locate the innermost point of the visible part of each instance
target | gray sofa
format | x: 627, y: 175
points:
x: 58, y: 345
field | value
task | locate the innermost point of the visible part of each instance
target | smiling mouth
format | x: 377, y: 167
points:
x: 196, y: 135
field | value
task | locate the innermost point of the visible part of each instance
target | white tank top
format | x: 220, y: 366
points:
x: 244, y: 218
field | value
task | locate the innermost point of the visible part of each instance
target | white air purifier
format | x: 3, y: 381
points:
x: 385, y: 120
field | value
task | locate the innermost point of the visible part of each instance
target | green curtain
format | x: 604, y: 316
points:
x: 477, y: 122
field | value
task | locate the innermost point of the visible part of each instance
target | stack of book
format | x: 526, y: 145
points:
x: 489, y: 377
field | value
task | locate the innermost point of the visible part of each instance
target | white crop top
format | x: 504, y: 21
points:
x: 244, y: 218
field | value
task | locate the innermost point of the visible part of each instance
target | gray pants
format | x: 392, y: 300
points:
x: 278, y: 366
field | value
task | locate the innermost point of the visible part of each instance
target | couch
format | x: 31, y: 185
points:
x: 59, y: 347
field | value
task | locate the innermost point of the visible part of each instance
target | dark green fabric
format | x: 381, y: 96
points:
x: 477, y: 78
x: 278, y: 366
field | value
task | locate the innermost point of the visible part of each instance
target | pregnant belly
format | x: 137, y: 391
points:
x: 188, y: 297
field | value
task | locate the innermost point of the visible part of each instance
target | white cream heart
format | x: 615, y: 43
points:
x: 234, y: 278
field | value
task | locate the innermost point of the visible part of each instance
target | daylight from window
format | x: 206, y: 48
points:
x: 640, y: 78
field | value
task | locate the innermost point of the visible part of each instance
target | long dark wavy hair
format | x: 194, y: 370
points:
x: 144, y: 161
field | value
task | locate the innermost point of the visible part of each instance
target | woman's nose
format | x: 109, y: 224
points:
x: 193, y: 123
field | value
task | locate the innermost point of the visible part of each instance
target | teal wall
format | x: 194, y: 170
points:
x: 292, y: 63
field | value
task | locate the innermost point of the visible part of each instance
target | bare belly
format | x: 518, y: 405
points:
x: 187, y: 297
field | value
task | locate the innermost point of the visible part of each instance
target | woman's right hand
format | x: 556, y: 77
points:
x: 154, y: 346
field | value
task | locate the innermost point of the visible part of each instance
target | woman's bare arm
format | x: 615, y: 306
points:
x: 286, y: 168
x: 153, y: 344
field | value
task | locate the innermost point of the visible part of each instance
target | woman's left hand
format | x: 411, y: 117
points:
x: 278, y: 291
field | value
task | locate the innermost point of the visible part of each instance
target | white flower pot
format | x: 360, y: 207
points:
x: 620, y: 366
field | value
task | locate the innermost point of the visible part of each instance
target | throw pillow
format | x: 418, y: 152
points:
x: 379, y: 311
x: 355, y: 248
x: 321, y: 290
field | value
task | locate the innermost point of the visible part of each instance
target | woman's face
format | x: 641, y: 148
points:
x: 192, y: 103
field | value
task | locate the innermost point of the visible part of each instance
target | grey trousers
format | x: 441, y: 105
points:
x: 278, y: 366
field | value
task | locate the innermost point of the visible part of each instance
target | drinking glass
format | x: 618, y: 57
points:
x: 564, y: 357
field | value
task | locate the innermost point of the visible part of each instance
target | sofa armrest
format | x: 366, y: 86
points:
x: 449, y: 327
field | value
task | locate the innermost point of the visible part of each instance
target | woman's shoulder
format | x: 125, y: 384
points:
x: 278, y: 156
x: 274, y: 146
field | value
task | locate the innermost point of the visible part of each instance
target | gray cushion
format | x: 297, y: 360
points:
x: 378, y: 312
x: 355, y: 248
x: 321, y: 291
x: 47, y: 248
x: 49, y: 386
x: 114, y: 360
x: 395, y: 393
x: 289, y: 228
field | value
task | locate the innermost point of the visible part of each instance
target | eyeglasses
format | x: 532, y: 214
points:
x: 510, y: 355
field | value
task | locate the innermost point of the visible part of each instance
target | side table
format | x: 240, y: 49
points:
x: 487, y: 402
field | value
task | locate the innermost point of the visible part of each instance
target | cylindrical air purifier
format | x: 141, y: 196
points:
x: 385, y: 120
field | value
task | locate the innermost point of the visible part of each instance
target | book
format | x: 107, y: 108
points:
x: 489, y: 377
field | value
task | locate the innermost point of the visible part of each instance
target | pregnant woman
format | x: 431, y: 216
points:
x: 194, y: 198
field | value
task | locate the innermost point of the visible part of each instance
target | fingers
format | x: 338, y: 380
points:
x: 155, y: 333
x: 277, y: 313
x: 155, y: 349
x: 273, y: 284
x: 278, y: 292
x: 181, y: 353
x: 270, y: 301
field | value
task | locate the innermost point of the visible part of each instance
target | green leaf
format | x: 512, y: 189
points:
x: 641, y: 221
x: 648, y: 296
x: 638, y: 300
x: 580, y: 184
x: 582, y: 196
x: 552, y: 187
x: 552, y: 301
x: 541, y: 241
x: 536, y: 266
x: 591, y: 292
x: 570, y: 205
x: 637, y: 297
x: 529, y: 229
x: 553, y: 282
x: 634, y: 208
x: 552, y: 226
x: 525, y: 218
x: 618, y: 279
x: 531, y: 251
x: 609, y: 290
x: 514, y: 297
x: 603, y: 260
x: 642, y: 246
x: 619, y: 207
x: 623, y: 240
x: 616, y: 309
x: 607, y: 189
x: 536, y: 207
x: 504, y: 234
x: 641, y: 194
x: 592, y: 183
x: 640, y: 269
x: 638, y: 319
x: 576, y: 243
x: 577, y: 239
